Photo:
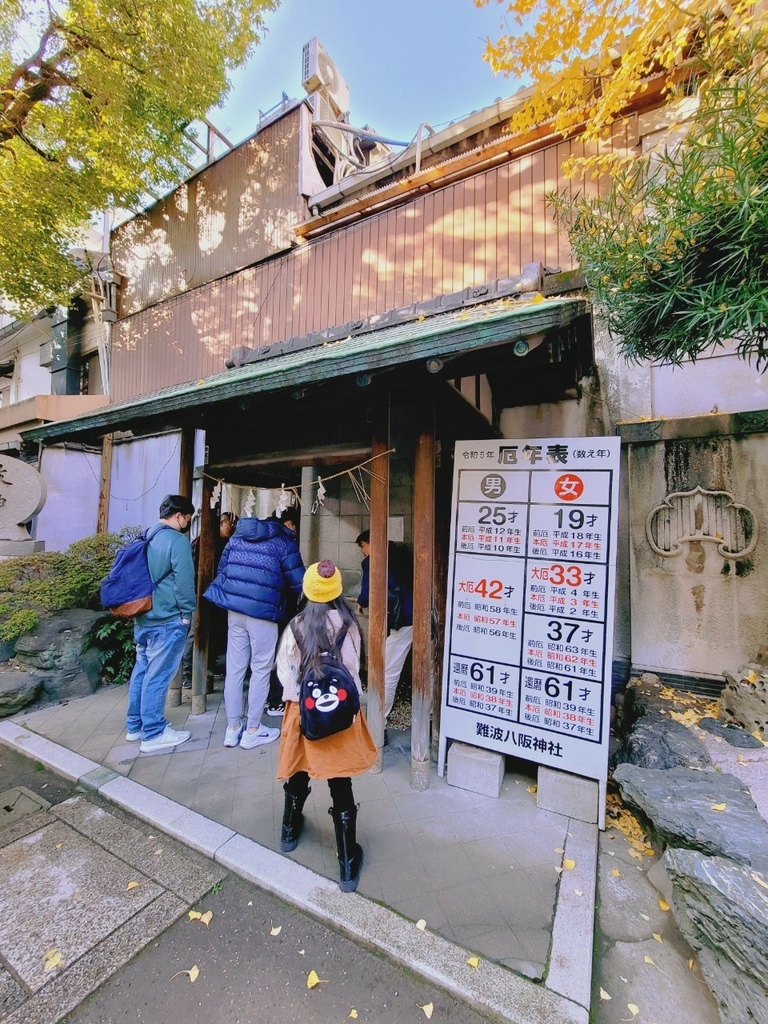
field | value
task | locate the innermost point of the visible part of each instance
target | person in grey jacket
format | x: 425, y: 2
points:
x: 259, y: 566
x: 161, y: 633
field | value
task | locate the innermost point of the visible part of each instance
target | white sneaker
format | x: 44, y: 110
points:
x: 169, y: 737
x: 232, y: 736
x: 132, y: 736
x: 257, y: 739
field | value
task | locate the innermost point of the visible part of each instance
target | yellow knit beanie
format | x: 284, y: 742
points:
x: 322, y: 582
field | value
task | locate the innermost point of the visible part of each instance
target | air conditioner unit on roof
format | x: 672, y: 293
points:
x: 319, y: 73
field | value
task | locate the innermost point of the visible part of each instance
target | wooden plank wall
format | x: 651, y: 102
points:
x: 484, y: 227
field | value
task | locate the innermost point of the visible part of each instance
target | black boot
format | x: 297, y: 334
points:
x: 350, y: 854
x: 293, y: 820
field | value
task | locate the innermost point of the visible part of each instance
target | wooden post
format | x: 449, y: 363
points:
x: 205, y: 557
x: 104, y: 484
x: 423, y: 547
x: 377, y: 628
x: 187, y: 461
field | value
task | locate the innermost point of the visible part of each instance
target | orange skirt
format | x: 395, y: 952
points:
x: 350, y: 752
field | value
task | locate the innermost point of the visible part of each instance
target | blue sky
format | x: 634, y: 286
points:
x: 405, y: 61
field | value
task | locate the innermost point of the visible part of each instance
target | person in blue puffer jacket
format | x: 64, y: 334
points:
x: 260, y: 564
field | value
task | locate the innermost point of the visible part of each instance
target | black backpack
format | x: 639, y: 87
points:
x: 328, y: 698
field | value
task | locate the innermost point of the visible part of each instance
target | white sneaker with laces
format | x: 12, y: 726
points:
x: 169, y: 737
x: 258, y: 738
x: 232, y: 736
x: 132, y: 736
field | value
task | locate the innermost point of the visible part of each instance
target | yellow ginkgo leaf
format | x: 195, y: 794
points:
x: 633, y: 1009
x: 757, y: 734
x: 604, y: 994
x: 616, y: 873
x: 649, y: 960
x: 569, y: 864
x: 132, y: 885
x: 718, y: 807
x: 474, y: 961
x: 664, y: 905
x: 532, y: 789
x: 645, y: 917
x: 312, y: 980
x: 194, y: 915
x: 428, y: 1009
x: 691, y: 964
x: 421, y: 924
x: 207, y: 917
x: 352, y: 1013
x: 275, y: 929
x: 657, y: 937
x: 578, y: 892
x: 759, y: 880
x: 193, y: 973
x: 51, y: 959
x: 538, y: 297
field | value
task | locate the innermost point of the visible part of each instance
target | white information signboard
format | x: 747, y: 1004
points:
x: 531, y: 584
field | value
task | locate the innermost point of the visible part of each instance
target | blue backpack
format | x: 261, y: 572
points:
x: 127, y: 589
x: 328, y: 699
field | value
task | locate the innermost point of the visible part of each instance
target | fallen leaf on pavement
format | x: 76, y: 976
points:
x: 428, y: 1009
x: 193, y: 973
x: 312, y: 980
x: 645, y: 917
x: 718, y: 807
x: 569, y: 864
x: 578, y: 892
x: 634, y: 1010
x: 194, y: 915
x: 657, y: 937
x: 532, y: 789
x: 275, y: 929
x: 132, y: 885
x: 353, y: 1013
x: 616, y: 873
x: 651, y: 961
x: 207, y: 917
x: 421, y: 924
x: 604, y: 994
x: 664, y: 905
x: 51, y: 959
x: 474, y: 961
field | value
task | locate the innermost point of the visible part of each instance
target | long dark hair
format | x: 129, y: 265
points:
x: 312, y: 629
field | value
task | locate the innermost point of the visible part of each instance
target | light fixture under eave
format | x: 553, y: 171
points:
x: 297, y: 394
x: 521, y: 347
x: 435, y: 365
x: 363, y: 380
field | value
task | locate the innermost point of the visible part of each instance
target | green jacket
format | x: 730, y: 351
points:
x: 175, y: 595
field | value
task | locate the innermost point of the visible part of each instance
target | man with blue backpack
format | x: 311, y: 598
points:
x: 160, y: 633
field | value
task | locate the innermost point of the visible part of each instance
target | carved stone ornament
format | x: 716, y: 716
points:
x: 701, y: 515
x: 22, y: 495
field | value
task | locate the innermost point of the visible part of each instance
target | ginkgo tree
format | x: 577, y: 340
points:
x: 94, y: 99
x: 676, y: 249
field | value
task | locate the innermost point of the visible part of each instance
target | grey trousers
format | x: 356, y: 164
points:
x: 249, y: 642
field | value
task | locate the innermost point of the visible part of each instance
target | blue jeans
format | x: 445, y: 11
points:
x: 158, y: 655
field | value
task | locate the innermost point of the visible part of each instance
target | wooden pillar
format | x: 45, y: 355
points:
x: 423, y: 547
x: 205, y: 558
x: 377, y: 629
x: 104, y: 484
x: 187, y: 461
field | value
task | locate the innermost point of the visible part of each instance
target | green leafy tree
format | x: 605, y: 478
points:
x: 94, y: 97
x: 677, y: 250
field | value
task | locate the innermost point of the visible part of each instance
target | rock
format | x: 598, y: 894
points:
x: 657, y: 742
x: 17, y: 690
x: 56, y: 654
x: 679, y: 804
x: 733, y: 734
x: 623, y: 899
x: 744, y: 699
x: 663, y: 990
x: 723, y: 913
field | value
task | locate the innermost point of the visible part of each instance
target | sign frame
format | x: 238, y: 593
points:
x: 530, y: 608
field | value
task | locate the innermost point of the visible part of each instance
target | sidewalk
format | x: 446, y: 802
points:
x: 484, y: 874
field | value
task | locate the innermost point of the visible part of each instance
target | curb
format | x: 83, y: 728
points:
x: 492, y: 989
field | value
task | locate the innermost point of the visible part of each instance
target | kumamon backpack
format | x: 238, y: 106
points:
x: 328, y: 699
x: 127, y: 588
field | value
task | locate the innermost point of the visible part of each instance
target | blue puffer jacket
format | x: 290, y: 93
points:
x: 259, y: 564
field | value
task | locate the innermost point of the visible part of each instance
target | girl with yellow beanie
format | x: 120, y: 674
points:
x: 336, y: 758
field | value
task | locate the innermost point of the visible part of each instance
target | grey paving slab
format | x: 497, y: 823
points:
x: 170, y: 864
x: 62, y: 895
x: 11, y: 993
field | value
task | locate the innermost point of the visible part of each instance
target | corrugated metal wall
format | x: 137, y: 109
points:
x: 236, y: 212
x: 484, y: 227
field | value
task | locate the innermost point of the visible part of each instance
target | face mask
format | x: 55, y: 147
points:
x: 185, y: 527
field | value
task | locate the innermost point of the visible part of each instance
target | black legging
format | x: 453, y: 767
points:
x: 341, y: 790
